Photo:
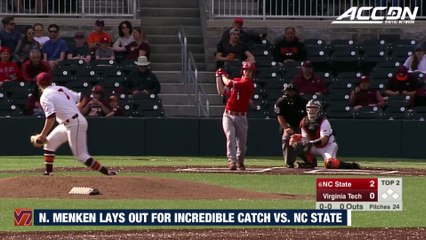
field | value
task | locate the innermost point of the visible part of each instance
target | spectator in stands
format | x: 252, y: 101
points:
x: 289, y: 48
x: 402, y: 83
x: 22, y: 51
x: 245, y: 37
x: 143, y: 80
x: 232, y: 50
x: 39, y: 37
x: 104, y: 52
x: 33, y: 66
x: 417, y: 61
x: 55, y: 48
x: 363, y: 95
x: 140, y: 46
x: 9, y: 37
x: 33, y: 106
x: 80, y: 50
x: 9, y: 71
x: 97, y: 106
x: 94, y: 38
x: 308, y: 83
x: 116, y: 110
x: 125, y: 32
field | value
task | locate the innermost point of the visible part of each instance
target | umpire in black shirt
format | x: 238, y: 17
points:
x: 290, y: 110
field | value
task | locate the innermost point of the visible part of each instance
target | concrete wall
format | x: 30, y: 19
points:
x: 204, y: 137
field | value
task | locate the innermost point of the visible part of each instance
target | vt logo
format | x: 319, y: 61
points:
x: 23, y: 217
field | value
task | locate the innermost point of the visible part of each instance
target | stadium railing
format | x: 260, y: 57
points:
x: 274, y: 9
x: 71, y: 8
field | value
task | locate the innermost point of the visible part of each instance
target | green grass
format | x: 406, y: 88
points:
x: 413, y: 190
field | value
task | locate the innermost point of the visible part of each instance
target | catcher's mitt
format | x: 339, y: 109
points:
x: 296, y: 142
x: 36, y: 142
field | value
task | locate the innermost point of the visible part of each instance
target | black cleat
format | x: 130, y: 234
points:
x: 356, y: 166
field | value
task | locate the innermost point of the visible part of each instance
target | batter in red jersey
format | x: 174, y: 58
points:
x: 234, y: 121
x: 61, y: 104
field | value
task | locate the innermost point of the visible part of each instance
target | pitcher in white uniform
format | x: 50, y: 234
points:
x: 63, y: 104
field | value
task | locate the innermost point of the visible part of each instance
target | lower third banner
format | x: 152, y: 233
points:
x: 191, y: 217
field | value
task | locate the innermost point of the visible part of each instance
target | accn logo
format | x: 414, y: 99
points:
x: 377, y: 15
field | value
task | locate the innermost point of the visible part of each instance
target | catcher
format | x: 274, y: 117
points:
x: 317, y: 139
x: 61, y: 104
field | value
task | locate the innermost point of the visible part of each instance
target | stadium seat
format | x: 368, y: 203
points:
x: 368, y: 112
x: 382, y: 74
x: 399, y: 100
x: 373, y: 43
x: 339, y: 111
x: 260, y: 50
x: 341, y: 43
x: 371, y: 55
x: 257, y: 111
x: 314, y: 42
x: 403, y: 42
x: 348, y: 76
x: 318, y: 55
x: 8, y: 109
x: 326, y: 76
x: 345, y: 59
x: 72, y: 62
x: 401, y: 53
x: 395, y: 112
x: 338, y: 97
x: 267, y: 72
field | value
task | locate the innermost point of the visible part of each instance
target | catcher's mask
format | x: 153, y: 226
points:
x: 313, y: 108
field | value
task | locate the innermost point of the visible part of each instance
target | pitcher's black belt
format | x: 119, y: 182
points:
x: 70, y: 119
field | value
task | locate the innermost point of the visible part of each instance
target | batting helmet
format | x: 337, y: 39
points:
x: 332, y: 163
x: 248, y: 65
x: 44, y: 79
x: 312, y: 115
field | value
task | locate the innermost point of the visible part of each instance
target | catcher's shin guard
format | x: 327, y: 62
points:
x: 332, y: 163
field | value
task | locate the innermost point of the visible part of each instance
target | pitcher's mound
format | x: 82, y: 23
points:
x: 125, y: 187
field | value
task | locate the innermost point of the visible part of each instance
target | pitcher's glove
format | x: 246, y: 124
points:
x: 35, y: 140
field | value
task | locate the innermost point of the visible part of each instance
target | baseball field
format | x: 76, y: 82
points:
x: 200, y: 183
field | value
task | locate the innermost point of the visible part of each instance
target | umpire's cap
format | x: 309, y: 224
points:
x: 44, y: 79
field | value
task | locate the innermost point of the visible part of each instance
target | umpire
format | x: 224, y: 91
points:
x: 290, y: 110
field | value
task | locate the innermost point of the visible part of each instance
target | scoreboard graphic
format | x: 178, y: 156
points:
x: 359, y: 194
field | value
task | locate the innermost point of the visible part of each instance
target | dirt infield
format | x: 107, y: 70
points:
x: 123, y: 187
x: 143, y: 187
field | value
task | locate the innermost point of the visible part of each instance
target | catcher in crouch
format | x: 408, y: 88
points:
x: 317, y: 139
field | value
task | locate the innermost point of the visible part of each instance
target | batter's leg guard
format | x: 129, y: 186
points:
x: 95, y: 165
x: 49, y: 158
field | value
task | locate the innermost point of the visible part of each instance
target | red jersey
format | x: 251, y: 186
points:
x: 241, y: 91
x: 9, y: 71
x: 95, y: 37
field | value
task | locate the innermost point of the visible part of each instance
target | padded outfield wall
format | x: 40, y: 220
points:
x: 204, y: 137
